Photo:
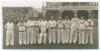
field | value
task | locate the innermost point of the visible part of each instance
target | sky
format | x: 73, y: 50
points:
x: 33, y: 3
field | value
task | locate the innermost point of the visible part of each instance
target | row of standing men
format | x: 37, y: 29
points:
x: 60, y: 31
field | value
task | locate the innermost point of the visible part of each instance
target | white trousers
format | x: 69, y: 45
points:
x: 73, y: 35
x: 82, y: 36
x: 22, y: 38
x: 89, y: 35
x: 66, y: 35
x: 42, y: 36
x: 35, y: 34
x: 30, y: 35
x: 60, y: 36
x: 52, y: 35
x: 9, y: 37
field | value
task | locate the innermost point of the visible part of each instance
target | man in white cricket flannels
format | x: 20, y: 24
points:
x: 60, y: 31
x: 35, y: 30
x: 81, y: 31
x: 22, y: 32
x: 52, y: 30
x: 9, y: 26
x: 89, y: 30
x: 33, y: 35
x: 43, y: 34
x: 74, y: 29
x: 29, y: 26
x: 66, y: 33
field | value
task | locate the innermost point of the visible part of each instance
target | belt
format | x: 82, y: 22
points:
x: 81, y: 29
x: 35, y: 26
x: 60, y: 28
x: 29, y: 27
x: 21, y: 31
x: 9, y: 29
x: 88, y: 30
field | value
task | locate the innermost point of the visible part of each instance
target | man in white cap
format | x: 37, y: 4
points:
x: 89, y: 30
x: 29, y: 25
x: 66, y: 33
x: 9, y: 26
x: 74, y: 29
x: 81, y: 31
x: 22, y: 32
x: 60, y: 31
x: 43, y: 34
x: 52, y: 30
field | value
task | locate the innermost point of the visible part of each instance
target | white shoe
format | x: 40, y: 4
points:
x: 86, y: 42
x: 91, y: 43
x: 27, y: 42
x: 49, y: 42
x: 44, y: 42
x: 39, y: 42
x: 79, y: 43
x: 63, y: 42
x: 24, y: 43
x: 12, y: 44
x: 20, y: 43
x: 7, y: 44
x: 83, y: 43
x: 54, y: 42
x: 31, y: 42
x: 70, y: 42
x: 66, y: 42
x: 74, y: 42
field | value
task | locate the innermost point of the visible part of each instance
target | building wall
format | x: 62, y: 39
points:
x: 68, y: 8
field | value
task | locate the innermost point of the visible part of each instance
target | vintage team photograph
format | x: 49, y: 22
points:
x: 55, y: 25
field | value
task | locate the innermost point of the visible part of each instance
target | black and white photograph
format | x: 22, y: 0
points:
x: 55, y: 25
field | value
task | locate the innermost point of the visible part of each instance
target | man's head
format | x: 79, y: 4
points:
x: 89, y: 17
x: 30, y: 18
x: 66, y: 17
x: 43, y: 18
x: 34, y: 18
x: 59, y: 18
x: 82, y: 17
x: 75, y: 15
x: 10, y: 18
x: 52, y: 17
x: 22, y: 20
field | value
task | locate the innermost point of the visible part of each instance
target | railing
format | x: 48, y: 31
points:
x: 71, y: 5
x: 72, y: 8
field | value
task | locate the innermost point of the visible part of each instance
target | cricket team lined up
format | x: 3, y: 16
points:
x: 76, y: 30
